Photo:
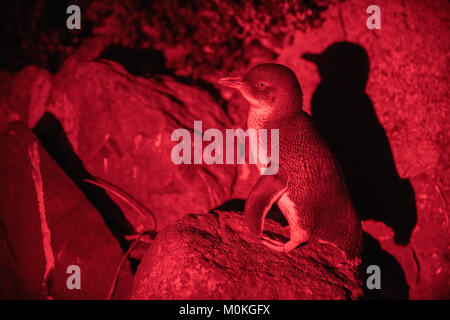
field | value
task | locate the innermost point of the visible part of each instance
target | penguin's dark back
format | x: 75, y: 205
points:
x: 317, y: 184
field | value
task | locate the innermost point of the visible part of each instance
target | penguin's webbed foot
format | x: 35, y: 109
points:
x: 280, y: 246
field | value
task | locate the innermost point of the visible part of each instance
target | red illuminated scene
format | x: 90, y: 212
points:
x: 224, y: 150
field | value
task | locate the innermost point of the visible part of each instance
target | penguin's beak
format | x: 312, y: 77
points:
x: 232, y: 82
x: 314, y: 58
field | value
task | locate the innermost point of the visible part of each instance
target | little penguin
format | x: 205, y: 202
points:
x: 309, y: 187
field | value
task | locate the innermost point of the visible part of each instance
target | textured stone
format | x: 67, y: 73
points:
x: 23, y: 95
x: 120, y: 127
x: 212, y: 256
x: 47, y: 224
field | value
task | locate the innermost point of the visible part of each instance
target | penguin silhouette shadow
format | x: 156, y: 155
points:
x: 344, y: 115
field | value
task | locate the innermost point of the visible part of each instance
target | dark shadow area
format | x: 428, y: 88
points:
x: 344, y: 115
x: 393, y: 279
x: 35, y: 33
x: 238, y: 205
x: 231, y: 205
x: 142, y: 63
x: 150, y: 63
x: 53, y: 138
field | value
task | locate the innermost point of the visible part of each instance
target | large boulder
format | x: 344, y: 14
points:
x: 213, y: 256
x: 47, y: 225
x: 120, y: 127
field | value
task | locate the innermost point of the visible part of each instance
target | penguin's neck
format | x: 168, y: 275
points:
x: 258, y: 118
x: 261, y: 118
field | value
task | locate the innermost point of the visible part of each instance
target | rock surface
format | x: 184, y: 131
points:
x: 23, y: 95
x: 120, y: 127
x: 212, y: 256
x: 47, y: 225
x: 90, y: 106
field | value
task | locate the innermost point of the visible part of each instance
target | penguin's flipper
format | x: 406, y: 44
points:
x: 266, y: 191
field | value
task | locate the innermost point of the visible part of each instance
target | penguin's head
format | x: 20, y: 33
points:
x: 271, y: 87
